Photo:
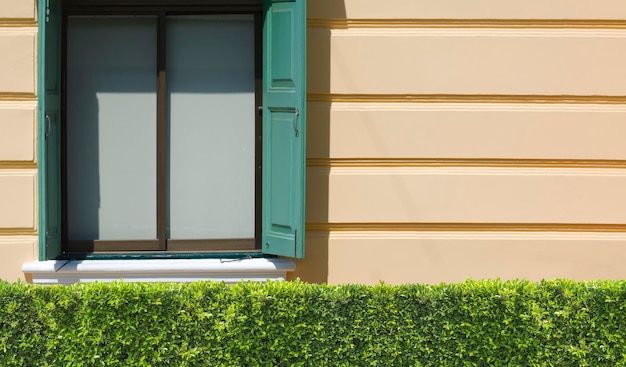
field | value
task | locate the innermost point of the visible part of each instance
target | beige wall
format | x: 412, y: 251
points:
x: 17, y: 10
x: 18, y: 138
x: 466, y: 139
x: 462, y: 9
x: 447, y: 140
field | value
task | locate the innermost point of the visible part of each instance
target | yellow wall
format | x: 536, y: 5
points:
x: 18, y: 158
x: 466, y: 139
x: 447, y: 140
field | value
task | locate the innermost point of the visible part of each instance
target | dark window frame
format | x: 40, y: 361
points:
x: 161, y: 9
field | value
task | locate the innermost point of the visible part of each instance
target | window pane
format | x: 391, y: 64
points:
x: 111, y: 128
x: 210, y: 76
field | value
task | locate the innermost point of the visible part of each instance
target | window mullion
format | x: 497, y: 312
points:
x: 161, y: 133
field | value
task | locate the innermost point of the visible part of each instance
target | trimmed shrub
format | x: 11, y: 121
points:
x: 476, y: 323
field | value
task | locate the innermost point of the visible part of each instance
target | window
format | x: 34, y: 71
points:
x: 152, y: 140
x: 150, y: 98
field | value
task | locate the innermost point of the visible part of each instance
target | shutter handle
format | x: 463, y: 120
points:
x: 295, y: 122
x: 48, y: 123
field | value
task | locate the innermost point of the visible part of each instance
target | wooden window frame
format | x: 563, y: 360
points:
x: 284, y: 105
x: 161, y: 9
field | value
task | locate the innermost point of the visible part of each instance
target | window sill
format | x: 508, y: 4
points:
x: 170, y: 270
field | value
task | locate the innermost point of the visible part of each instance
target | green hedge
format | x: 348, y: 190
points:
x: 484, y: 323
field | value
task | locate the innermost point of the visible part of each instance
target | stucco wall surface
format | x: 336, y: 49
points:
x: 466, y: 139
x: 446, y: 140
x: 464, y: 9
x: 18, y: 138
x: 17, y: 10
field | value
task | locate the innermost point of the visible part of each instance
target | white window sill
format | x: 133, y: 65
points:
x: 158, y: 270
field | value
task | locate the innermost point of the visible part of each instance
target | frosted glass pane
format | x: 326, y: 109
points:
x: 210, y: 75
x: 111, y: 128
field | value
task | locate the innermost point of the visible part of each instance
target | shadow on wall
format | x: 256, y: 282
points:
x: 314, y: 267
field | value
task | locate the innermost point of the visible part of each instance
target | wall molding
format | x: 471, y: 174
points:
x: 29, y: 228
x: 463, y: 98
x: 463, y: 107
x: 18, y: 232
x: 464, y: 162
x: 18, y: 165
x: 336, y: 23
x: 17, y: 97
x: 18, y: 22
x: 466, y: 227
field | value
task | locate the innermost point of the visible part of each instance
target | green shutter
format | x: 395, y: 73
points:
x: 49, y: 114
x: 284, y: 128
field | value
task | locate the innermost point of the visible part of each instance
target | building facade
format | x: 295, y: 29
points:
x: 444, y: 141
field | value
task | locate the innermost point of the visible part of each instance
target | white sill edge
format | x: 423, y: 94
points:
x: 161, y: 270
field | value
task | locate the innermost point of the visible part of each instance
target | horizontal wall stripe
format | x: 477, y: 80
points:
x: 20, y: 9
x: 462, y: 107
x: 465, y: 195
x: 18, y: 135
x: 16, y: 250
x: 501, y: 237
x: 425, y: 259
x: 27, y: 104
x: 466, y: 227
x: 469, y: 162
x: 18, y: 232
x: 530, y: 65
x: 464, y: 98
x: 469, y: 171
x: 463, y: 9
x: 467, y: 23
x: 17, y: 22
x: 563, y: 33
x: 17, y: 97
x: 18, y: 165
x: 468, y: 131
x: 18, y: 200
x: 18, y: 64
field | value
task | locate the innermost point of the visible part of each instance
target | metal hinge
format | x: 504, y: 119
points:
x: 47, y: 11
x: 48, y: 237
